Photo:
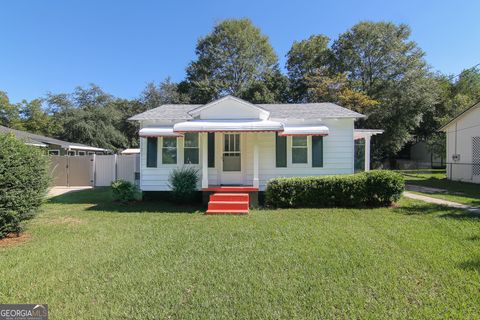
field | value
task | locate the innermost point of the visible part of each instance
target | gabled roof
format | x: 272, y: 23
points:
x: 277, y: 111
x: 38, y: 140
x: 468, y: 110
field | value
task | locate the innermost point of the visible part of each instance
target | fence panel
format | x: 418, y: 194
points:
x: 80, y: 171
x: 126, y: 167
x: 104, y: 170
x: 58, y: 165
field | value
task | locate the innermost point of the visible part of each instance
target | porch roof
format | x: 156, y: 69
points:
x: 296, y: 130
x: 244, y: 125
x: 158, y: 132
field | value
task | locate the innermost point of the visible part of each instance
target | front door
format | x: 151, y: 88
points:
x: 232, y: 159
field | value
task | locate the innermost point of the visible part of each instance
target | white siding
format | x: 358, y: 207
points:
x: 459, y: 141
x: 338, y: 149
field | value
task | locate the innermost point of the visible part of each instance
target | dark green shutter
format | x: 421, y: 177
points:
x: 317, y: 151
x: 281, y: 151
x: 211, y: 150
x: 152, y: 152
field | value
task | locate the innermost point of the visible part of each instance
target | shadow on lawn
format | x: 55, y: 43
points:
x: 442, y: 211
x: 101, y: 200
x: 473, y: 265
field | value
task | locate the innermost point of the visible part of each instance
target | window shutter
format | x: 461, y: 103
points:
x: 152, y: 152
x: 281, y: 151
x: 211, y: 149
x: 317, y: 151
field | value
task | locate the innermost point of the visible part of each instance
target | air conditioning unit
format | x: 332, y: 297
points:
x: 456, y: 157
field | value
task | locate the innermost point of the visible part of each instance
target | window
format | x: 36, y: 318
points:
x: 317, y: 151
x: 81, y: 153
x: 152, y: 152
x: 211, y: 150
x: 190, y: 148
x: 54, y: 152
x: 90, y: 153
x: 169, y: 150
x: 299, y: 149
x: 280, y: 151
x: 71, y: 153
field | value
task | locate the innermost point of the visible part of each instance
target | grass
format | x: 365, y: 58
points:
x: 462, y: 192
x: 91, y: 259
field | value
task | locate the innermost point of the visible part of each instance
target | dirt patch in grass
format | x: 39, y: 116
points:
x: 12, y: 239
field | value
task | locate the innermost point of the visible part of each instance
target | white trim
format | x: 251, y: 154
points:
x: 264, y: 113
x: 52, y: 151
x: 253, y: 125
x: 157, y: 132
x: 295, y: 130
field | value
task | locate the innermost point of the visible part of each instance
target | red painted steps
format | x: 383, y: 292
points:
x: 228, y: 203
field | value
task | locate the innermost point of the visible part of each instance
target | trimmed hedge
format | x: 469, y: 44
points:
x: 373, y: 188
x: 24, y: 181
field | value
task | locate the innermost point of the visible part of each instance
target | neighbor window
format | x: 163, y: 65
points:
x: 299, y: 149
x: 169, y: 150
x: 81, y: 153
x: 190, y: 148
x: 54, y: 152
x: 151, y: 152
x: 71, y: 153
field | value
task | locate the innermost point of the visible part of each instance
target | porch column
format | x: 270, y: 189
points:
x: 367, y: 152
x: 256, y: 182
x: 204, y: 137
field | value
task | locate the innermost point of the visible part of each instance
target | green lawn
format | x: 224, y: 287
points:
x: 462, y: 192
x: 91, y: 259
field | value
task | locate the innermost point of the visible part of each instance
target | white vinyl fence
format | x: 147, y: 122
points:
x: 113, y: 167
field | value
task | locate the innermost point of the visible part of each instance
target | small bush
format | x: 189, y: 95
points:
x: 183, y: 183
x: 24, y: 181
x: 125, y: 191
x: 374, y: 188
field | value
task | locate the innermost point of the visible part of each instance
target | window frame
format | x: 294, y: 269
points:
x: 185, y: 148
x: 54, y: 152
x: 308, y: 151
x: 81, y: 151
x: 176, y: 151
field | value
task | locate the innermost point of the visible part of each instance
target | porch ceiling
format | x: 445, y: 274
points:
x: 228, y: 126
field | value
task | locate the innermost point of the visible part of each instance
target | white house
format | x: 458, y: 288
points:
x: 463, y: 145
x: 236, y: 143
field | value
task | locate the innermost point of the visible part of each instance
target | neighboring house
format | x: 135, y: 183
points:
x: 417, y: 155
x: 463, y: 145
x: 235, y: 143
x: 54, y: 146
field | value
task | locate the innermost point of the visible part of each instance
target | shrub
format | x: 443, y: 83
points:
x: 125, y: 191
x: 24, y: 181
x: 374, y: 188
x: 183, y: 183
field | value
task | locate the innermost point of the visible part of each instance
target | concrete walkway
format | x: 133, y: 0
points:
x: 56, y: 191
x: 441, y: 202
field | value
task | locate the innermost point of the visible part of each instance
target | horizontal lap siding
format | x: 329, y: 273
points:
x: 337, y: 155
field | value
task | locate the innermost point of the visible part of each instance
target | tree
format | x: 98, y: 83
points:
x: 305, y: 59
x: 321, y: 87
x: 9, y: 113
x: 89, y: 116
x: 383, y: 63
x: 35, y: 119
x: 232, y: 58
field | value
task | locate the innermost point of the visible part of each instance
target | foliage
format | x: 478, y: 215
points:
x: 24, y: 179
x: 9, y: 113
x: 374, y: 188
x: 183, y: 183
x: 304, y: 59
x: 125, y: 191
x: 230, y: 59
x: 383, y: 63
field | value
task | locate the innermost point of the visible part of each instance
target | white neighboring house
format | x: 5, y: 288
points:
x: 235, y: 143
x: 463, y: 145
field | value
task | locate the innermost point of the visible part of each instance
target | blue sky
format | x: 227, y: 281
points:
x: 54, y: 46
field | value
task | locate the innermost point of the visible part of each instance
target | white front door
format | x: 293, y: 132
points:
x: 232, y: 159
